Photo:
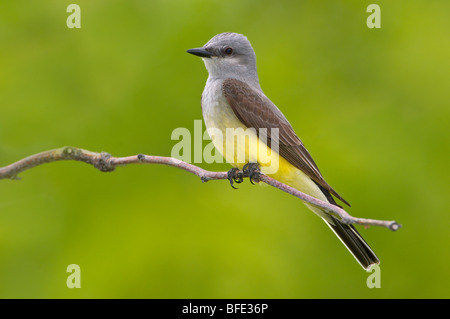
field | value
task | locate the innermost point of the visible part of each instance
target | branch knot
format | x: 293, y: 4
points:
x: 105, y: 162
x: 70, y: 152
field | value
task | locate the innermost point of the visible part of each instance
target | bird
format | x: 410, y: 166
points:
x: 233, y: 99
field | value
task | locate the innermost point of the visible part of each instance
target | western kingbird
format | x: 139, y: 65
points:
x: 233, y: 98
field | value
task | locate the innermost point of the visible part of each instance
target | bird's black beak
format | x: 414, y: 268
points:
x: 201, y: 52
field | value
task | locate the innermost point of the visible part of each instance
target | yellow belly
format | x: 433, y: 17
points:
x: 245, y: 146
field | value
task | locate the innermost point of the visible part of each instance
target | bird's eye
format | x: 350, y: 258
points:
x: 228, y: 50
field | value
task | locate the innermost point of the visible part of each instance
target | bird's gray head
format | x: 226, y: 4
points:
x: 229, y: 55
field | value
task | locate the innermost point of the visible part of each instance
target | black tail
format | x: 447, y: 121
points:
x: 350, y: 237
x: 354, y: 243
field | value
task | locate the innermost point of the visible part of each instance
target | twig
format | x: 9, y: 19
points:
x: 107, y: 163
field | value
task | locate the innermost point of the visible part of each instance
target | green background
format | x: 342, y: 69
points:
x: 371, y: 105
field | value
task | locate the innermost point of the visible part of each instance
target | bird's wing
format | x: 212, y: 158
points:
x: 255, y: 110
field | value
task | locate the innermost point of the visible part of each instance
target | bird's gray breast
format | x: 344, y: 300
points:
x: 217, y: 113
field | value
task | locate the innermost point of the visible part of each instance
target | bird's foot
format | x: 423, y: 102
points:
x: 235, y: 176
x: 252, y: 171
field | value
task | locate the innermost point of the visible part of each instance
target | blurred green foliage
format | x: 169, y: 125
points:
x: 371, y: 105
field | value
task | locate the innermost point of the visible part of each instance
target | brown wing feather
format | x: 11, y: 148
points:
x: 255, y: 110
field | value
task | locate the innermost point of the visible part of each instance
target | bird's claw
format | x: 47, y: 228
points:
x: 236, y: 176
x: 252, y: 171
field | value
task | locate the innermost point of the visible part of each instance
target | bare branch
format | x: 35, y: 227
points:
x: 107, y: 163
